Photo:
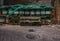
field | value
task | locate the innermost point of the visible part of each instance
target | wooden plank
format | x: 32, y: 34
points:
x: 30, y: 21
x: 29, y: 17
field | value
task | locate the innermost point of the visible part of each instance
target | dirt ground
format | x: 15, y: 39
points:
x: 23, y: 33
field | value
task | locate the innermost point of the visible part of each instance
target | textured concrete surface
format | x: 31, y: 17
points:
x: 21, y: 33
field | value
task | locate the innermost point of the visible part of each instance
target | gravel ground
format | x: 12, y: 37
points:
x: 23, y: 33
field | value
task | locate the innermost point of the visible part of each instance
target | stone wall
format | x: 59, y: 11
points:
x: 1, y: 2
x: 42, y: 2
x: 29, y: 2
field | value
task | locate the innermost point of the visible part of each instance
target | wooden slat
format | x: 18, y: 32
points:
x: 29, y: 17
x: 30, y: 21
